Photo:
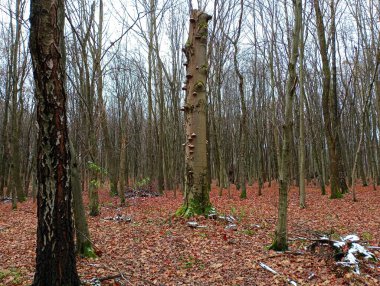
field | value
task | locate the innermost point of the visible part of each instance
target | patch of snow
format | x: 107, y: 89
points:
x: 192, y: 224
x: 350, y: 259
x: 212, y: 216
x: 351, y: 238
x: 359, y: 248
x: 230, y: 219
x: 231, y: 227
x: 339, y: 244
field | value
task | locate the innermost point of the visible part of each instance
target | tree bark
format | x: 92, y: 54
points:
x: 197, y: 185
x: 302, y: 122
x: 83, y: 241
x: 243, y: 121
x: 55, y: 257
x: 281, y: 241
x: 16, y: 184
x: 327, y: 106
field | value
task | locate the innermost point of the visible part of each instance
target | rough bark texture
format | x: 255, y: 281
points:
x: 55, y: 259
x: 197, y: 185
x: 281, y: 240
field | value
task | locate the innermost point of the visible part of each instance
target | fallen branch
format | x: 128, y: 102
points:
x: 194, y: 224
x: 271, y: 270
x: 346, y: 251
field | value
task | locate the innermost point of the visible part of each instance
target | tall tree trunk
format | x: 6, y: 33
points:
x: 281, y: 240
x: 302, y: 122
x: 109, y: 149
x: 149, y: 138
x: 327, y: 106
x: 55, y: 258
x: 123, y: 152
x: 162, y: 171
x: 16, y: 184
x: 243, y: 121
x: 334, y: 105
x: 83, y: 241
x: 197, y: 185
x: 4, y: 155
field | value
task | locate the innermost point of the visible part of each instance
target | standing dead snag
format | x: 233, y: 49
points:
x: 197, y: 186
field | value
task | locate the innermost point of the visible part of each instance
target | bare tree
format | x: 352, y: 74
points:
x: 280, y: 240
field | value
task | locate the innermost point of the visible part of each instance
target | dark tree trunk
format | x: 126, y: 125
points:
x: 55, y: 257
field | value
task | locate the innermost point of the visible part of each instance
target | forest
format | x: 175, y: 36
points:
x: 183, y: 142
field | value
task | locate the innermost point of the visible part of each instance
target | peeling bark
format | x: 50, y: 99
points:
x: 55, y: 258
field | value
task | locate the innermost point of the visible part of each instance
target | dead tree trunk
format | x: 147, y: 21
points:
x: 197, y: 185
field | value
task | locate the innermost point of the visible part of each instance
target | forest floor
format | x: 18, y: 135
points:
x: 156, y: 248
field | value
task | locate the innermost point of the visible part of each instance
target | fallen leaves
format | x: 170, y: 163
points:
x: 156, y: 248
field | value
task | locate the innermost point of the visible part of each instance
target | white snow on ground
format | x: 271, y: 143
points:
x: 355, y: 249
x: 351, y: 238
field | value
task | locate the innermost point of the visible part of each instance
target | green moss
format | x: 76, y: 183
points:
x: 113, y: 190
x: 204, y: 69
x: 199, y: 86
x: 367, y: 236
x: 195, y: 207
x: 94, y: 183
x: 248, y: 232
x: 202, y: 25
x: 243, y: 194
x: 15, y: 273
x: 89, y: 252
x: 85, y: 249
x: 21, y: 198
x: 336, y: 195
x: 276, y: 246
x: 94, y: 211
x: 4, y: 273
